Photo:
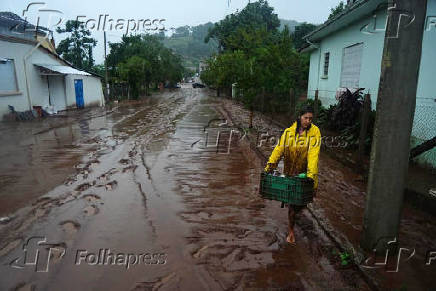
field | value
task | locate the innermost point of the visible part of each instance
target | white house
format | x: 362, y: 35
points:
x: 32, y: 74
x: 346, y: 52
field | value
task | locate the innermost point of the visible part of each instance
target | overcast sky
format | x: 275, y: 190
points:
x: 175, y: 13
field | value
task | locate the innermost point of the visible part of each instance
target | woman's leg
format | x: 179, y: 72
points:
x: 291, y: 219
x: 292, y: 211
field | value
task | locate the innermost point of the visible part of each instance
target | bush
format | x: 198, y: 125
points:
x: 346, y: 113
x: 344, y: 117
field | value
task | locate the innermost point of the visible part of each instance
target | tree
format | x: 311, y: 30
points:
x: 337, y: 10
x: 98, y: 69
x: 254, y: 16
x: 182, y: 31
x: 191, y: 46
x: 78, y: 47
x: 259, y: 58
x: 300, y: 32
x: 142, y: 60
x: 135, y: 70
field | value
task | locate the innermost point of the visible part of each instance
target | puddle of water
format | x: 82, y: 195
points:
x: 196, y: 204
x: 32, y: 163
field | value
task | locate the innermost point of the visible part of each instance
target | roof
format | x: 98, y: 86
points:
x: 34, y: 43
x: 14, y: 22
x: 8, y: 18
x: 352, y: 13
x: 59, y: 69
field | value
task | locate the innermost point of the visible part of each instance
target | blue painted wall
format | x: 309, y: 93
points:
x: 373, y: 40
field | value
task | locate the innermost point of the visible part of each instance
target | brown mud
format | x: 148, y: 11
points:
x: 151, y: 184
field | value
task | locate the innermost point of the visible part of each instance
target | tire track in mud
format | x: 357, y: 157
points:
x: 23, y: 219
x: 224, y: 241
x: 310, y: 224
x: 234, y: 241
x: 147, y: 124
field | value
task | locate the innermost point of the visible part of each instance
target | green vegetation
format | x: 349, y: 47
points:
x: 337, y: 10
x: 256, y: 55
x: 344, y: 118
x: 77, y: 48
x: 142, y: 60
x: 189, y: 43
x: 301, y: 31
x: 345, y: 258
x: 291, y: 24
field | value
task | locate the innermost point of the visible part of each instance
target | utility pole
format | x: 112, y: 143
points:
x: 105, y: 70
x: 394, y: 120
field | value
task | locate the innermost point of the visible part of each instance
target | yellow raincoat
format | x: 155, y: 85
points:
x: 301, y: 153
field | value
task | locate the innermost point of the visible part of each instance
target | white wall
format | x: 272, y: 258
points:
x: 38, y: 87
x: 92, y: 91
x: 57, y: 92
x: 16, y: 52
x: 335, y: 44
x: 424, y: 126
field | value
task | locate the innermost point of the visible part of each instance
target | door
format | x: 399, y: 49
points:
x: 78, y: 86
x: 57, y: 92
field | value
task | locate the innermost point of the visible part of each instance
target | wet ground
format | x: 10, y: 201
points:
x: 339, y: 208
x: 141, y: 198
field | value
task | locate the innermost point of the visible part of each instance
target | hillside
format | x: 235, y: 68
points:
x: 188, y: 41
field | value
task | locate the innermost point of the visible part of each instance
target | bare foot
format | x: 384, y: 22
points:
x: 290, y: 238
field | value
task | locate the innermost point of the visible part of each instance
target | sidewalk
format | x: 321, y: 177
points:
x: 339, y: 208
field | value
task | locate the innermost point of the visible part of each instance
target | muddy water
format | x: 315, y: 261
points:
x: 37, y: 156
x: 157, y: 187
x: 340, y: 208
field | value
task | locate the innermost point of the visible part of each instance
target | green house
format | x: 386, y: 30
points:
x: 346, y: 52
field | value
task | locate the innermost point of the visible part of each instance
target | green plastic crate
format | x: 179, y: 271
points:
x: 290, y: 190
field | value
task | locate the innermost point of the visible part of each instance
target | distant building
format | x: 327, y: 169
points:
x: 202, y: 67
x: 346, y: 52
x: 32, y: 74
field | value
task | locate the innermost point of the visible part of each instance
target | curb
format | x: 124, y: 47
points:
x: 327, y: 229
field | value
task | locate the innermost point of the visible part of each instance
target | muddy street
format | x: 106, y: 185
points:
x: 161, y: 195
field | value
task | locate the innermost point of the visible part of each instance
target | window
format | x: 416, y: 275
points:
x: 326, y: 64
x: 351, y: 62
x: 8, y: 80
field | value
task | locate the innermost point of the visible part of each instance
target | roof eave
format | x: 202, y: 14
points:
x: 351, y: 14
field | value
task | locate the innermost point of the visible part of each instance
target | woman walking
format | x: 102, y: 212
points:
x: 299, y: 145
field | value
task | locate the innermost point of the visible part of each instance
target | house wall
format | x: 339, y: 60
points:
x: 38, y: 85
x: 57, y: 92
x: 92, y: 90
x: 424, y: 127
x: 334, y: 44
x: 16, y: 52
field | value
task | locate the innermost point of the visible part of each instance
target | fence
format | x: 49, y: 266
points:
x: 424, y: 124
x: 424, y: 129
x: 118, y: 91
